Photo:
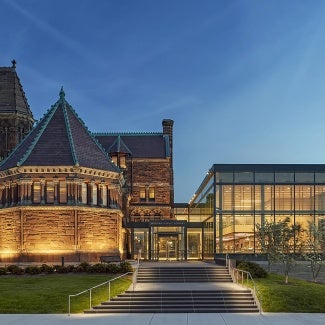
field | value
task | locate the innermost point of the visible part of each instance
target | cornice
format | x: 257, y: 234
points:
x: 93, y: 209
x: 60, y: 170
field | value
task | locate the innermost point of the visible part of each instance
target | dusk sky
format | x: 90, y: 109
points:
x: 244, y: 81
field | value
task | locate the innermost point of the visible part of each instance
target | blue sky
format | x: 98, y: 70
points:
x: 243, y: 80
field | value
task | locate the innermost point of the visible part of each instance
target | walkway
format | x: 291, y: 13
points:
x: 166, y: 319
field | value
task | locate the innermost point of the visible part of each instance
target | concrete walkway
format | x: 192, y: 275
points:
x: 166, y: 319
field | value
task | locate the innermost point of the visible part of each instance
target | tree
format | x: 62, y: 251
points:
x: 280, y: 241
x: 314, y: 250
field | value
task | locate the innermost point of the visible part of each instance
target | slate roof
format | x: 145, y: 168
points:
x: 138, y: 145
x: 12, y: 95
x: 59, y: 139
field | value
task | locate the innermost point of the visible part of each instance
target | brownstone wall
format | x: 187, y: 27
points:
x: 151, y: 173
x: 48, y: 235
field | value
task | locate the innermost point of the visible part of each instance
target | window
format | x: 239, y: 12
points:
x: 63, y: 192
x: 142, y: 194
x: 151, y: 193
x: 114, y: 160
x: 94, y: 196
x: 50, y: 192
x: 36, y: 192
x: 122, y: 162
x: 84, y: 193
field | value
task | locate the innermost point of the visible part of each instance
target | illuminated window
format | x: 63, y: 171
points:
x: 49, y: 192
x: 36, y: 192
x: 142, y: 194
x: 84, y: 193
x: 94, y: 197
x: 63, y: 192
x: 151, y: 193
x: 114, y: 159
x: 104, y: 196
x: 122, y: 162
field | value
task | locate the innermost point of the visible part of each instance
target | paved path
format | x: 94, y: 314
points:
x: 166, y: 319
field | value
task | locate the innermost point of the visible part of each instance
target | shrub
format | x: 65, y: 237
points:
x: 254, y: 269
x: 98, y: 268
x: 61, y: 269
x: 3, y: 271
x: 113, y: 268
x: 46, y: 269
x: 83, y: 267
x: 15, y: 269
x: 32, y: 270
x: 126, y: 267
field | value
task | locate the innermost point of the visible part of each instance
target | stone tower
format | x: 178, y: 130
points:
x: 16, y: 118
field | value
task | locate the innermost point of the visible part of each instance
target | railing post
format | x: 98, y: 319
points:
x: 69, y: 305
x: 90, y: 299
x: 109, y: 291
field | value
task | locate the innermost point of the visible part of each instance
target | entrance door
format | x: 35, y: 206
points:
x: 168, y: 247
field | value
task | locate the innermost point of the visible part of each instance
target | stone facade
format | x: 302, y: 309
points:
x: 16, y: 118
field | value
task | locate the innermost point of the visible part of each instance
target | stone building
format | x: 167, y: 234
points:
x: 16, y: 118
x: 65, y: 192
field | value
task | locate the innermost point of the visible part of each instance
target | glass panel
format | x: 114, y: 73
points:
x: 84, y: 193
x: 140, y: 243
x: 142, y: 194
x: 304, y: 177
x: 283, y: 198
x: 122, y: 162
x: 243, y: 198
x: 151, y: 193
x: 94, y: 196
x: 244, y: 233
x: 208, y: 238
x: 227, y: 197
x: 284, y: 177
x: 228, y: 233
x: 244, y: 177
x: 226, y: 177
x: 320, y: 223
x: 49, y: 192
x: 104, y: 196
x: 304, y: 198
x: 194, y: 243
x: 63, y: 192
x: 36, y: 192
x: 257, y: 196
x: 320, y: 198
x: 264, y: 177
x: 267, y: 198
x: 319, y: 177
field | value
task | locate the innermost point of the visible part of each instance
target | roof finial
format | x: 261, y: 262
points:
x: 13, y: 61
x: 62, y: 93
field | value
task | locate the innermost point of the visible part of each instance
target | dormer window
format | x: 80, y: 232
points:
x: 119, y: 160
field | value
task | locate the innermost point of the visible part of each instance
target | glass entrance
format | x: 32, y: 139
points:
x: 168, y: 247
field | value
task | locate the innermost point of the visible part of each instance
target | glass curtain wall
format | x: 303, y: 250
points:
x: 232, y: 203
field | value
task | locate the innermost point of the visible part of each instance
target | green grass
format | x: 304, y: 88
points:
x: 297, y: 296
x: 48, y: 294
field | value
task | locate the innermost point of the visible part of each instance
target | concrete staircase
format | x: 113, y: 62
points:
x: 181, y: 275
x: 202, y: 292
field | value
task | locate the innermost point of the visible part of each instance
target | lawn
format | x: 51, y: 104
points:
x: 297, y: 296
x: 48, y: 294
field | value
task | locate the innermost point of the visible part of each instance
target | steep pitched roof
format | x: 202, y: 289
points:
x: 138, y: 145
x: 12, y: 95
x: 60, y: 139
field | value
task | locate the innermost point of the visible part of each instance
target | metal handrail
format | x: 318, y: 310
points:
x: 235, y: 277
x: 90, y: 291
x: 135, y: 274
